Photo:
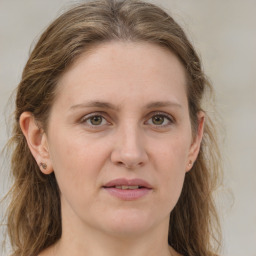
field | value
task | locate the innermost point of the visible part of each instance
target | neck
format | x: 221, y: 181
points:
x: 86, y: 241
x: 83, y: 239
x: 112, y: 247
x: 95, y: 243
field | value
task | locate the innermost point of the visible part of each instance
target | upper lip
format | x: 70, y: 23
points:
x: 128, y: 182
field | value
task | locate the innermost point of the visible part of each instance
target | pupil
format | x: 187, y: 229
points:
x: 96, y: 120
x: 158, y: 120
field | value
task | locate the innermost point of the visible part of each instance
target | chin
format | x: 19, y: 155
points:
x: 129, y: 222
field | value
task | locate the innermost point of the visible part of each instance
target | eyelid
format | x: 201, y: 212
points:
x: 165, y: 115
x: 90, y: 115
x: 103, y: 115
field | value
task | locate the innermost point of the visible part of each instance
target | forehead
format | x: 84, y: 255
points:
x: 126, y: 68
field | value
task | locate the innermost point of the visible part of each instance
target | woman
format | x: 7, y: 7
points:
x: 113, y: 151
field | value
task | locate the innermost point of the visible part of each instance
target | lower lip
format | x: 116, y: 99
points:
x: 128, y: 194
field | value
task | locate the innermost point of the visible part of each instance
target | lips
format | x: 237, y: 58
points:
x: 124, y: 182
x: 128, y: 189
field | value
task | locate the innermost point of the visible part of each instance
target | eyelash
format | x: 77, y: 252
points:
x: 89, y: 116
x: 154, y: 114
x: 165, y: 116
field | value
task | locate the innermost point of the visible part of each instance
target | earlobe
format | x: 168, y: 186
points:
x: 195, y: 146
x: 37, y: 141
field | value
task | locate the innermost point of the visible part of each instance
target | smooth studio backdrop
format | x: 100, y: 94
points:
x: 224, y: 34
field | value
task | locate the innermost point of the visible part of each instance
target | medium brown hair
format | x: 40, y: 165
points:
x: 34, y: 216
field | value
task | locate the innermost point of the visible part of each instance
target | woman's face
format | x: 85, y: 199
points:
x: 119, y: 138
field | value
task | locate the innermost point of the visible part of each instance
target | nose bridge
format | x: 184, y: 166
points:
x: 130, y: 138
x: 130, y: 149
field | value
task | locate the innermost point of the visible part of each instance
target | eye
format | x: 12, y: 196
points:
x: 161, y: 120
x: 94, y: 120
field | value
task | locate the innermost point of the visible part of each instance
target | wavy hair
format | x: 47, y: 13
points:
x: 34, y: 216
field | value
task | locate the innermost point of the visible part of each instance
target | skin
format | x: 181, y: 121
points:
x: 133, y: 138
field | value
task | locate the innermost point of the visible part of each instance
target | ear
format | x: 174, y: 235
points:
x: 196, y: 143
x: 37, y: 141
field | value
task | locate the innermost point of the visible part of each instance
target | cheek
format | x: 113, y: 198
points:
x: 171, y: 161
x: 77, y: 169
x: 75, y: 163
x: 172, y: 153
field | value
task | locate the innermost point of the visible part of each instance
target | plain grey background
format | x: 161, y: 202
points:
x: 224, y: 33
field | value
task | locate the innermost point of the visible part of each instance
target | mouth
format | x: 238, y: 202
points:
x: 128, y: 189
x: 128, y: 184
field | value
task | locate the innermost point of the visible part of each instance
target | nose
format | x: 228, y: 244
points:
x: 129, y: 150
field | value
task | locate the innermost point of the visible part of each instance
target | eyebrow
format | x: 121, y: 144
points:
x: 97, y: 104
x: 107, y: 105
x: 159, y: 104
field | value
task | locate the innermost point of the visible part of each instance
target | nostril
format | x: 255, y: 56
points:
x: 127, y: 165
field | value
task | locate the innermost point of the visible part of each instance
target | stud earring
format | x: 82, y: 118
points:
x: 190, y: 163
x: 43, y: 165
